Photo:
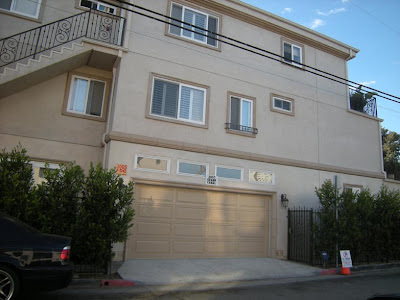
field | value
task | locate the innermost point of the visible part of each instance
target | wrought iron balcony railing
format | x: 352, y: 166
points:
x: 93, y: 24
x: 369, y: 108
x: 238, y: 127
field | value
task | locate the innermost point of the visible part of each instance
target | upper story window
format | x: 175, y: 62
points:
x: 241, y: 112
x: 86, y: 96
x: 29, y: 8
x: 178, y: 101
x: 203, y: 21
x: 93, y: 4
x: 282, y: 104
x: 292, y: 54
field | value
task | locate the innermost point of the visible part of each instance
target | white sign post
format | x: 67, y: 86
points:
x: 346, y: 259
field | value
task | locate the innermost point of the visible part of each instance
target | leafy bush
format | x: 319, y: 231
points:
x: 16, y: 182
x: 96, y: 210
x: 367, y: 224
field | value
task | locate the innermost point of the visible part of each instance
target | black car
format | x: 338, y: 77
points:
x: 31, y: 260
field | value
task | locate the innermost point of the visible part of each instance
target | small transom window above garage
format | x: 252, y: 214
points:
x: 192, y: 168
x: 352, y: 188
x: 152, y: 164
x: 229, y: 173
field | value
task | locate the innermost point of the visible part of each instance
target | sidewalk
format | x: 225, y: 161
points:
x: 205, y: 274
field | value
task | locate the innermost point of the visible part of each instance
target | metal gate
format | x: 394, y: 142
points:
x: 300, y: 235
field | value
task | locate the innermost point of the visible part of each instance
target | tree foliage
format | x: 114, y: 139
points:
x: 358, y: 99
x: 367, y: 224
x: 16, y: 182
x: 391, y: 153
x: 95, y: 210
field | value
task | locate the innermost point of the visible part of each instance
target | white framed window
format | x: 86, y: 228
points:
x: 241, y: 111
x: 93, y: 4
x: 196, y: 18
x: 353, y: 188
x: 86, y: 96
x: 178, y: 101
x: 282, y: 104
x: 38, y: 168
x: 152, y: 163
x: 29, y: 8
x: 292, y: 54
x: 261, y: 177
x: 190, y: 168
x: 229, y: 173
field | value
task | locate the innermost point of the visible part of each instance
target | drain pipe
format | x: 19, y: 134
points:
x: 110, y: 108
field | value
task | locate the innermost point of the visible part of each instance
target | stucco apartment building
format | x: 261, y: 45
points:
x: 213, y: 136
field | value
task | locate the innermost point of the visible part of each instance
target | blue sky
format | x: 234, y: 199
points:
x: 371, y: 26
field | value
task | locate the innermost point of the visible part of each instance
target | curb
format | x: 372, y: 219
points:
x: 361, y: 268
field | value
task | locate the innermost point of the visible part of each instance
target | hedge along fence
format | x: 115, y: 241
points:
x: 95, y: 210
x: 367, y: 225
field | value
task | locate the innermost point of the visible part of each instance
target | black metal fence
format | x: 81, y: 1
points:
x: 300, y: 235
x: 302, y: 243
x: 241, y: 128
x: 93, y: 24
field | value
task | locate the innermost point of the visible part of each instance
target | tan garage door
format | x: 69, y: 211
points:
x: 181, y: 223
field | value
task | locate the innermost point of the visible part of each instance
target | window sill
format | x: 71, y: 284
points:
x: 164, y: 119
x: 251, y: 133
x: 294, y: 65
x: 82, y: 116
x: 14, y: 14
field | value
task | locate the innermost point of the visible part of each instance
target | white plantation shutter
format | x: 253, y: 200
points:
x: 185, y: 103
x: 176, y: 13
x: 212, y: 26
x: 200, y: 21
x: 188, y: 18
x: 198, y: 106
x: 235, y: 110
x: 79, y: 92
x: 165, y: 98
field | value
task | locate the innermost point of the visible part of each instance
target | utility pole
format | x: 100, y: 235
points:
x: 337, y: 218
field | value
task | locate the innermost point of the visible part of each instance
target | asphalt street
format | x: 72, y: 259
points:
x: 356, y: 286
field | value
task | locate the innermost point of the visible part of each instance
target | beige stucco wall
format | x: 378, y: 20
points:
x: 297, y: 183
x: 33, y: 117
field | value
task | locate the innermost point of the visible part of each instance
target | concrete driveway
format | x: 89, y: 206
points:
x: 211, y: 270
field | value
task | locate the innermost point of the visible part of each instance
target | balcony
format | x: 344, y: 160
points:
x: 240, y: 128
x: 363, y: 103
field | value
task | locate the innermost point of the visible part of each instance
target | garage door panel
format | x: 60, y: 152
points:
x: 189, y: 230
x: 189, y: 223
x: 222, y: 215
x: 194, y: 196
x: 155, y: 211
x: 149, y: 194
x: 153, y: 228
x: 221, y: 247
x: 218, y: 230
x: 251, y: 231
x: 189, y: 247
x: 222, y: 199
x: 252, y: 216
x: 191, y: 213
x: 152, y: 247
x: 252, y: 201
x: 251, y: 247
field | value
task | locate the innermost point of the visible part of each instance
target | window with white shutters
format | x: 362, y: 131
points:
x: 178, y: 101
x: 194, y: 25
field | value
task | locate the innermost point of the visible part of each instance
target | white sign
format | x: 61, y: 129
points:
x: 346, y: 258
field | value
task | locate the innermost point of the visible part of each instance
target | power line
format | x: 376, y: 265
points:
x: 379, y: 20
x: 338, y: 78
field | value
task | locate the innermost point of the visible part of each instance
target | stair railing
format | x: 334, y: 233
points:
x: 93, y: 24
